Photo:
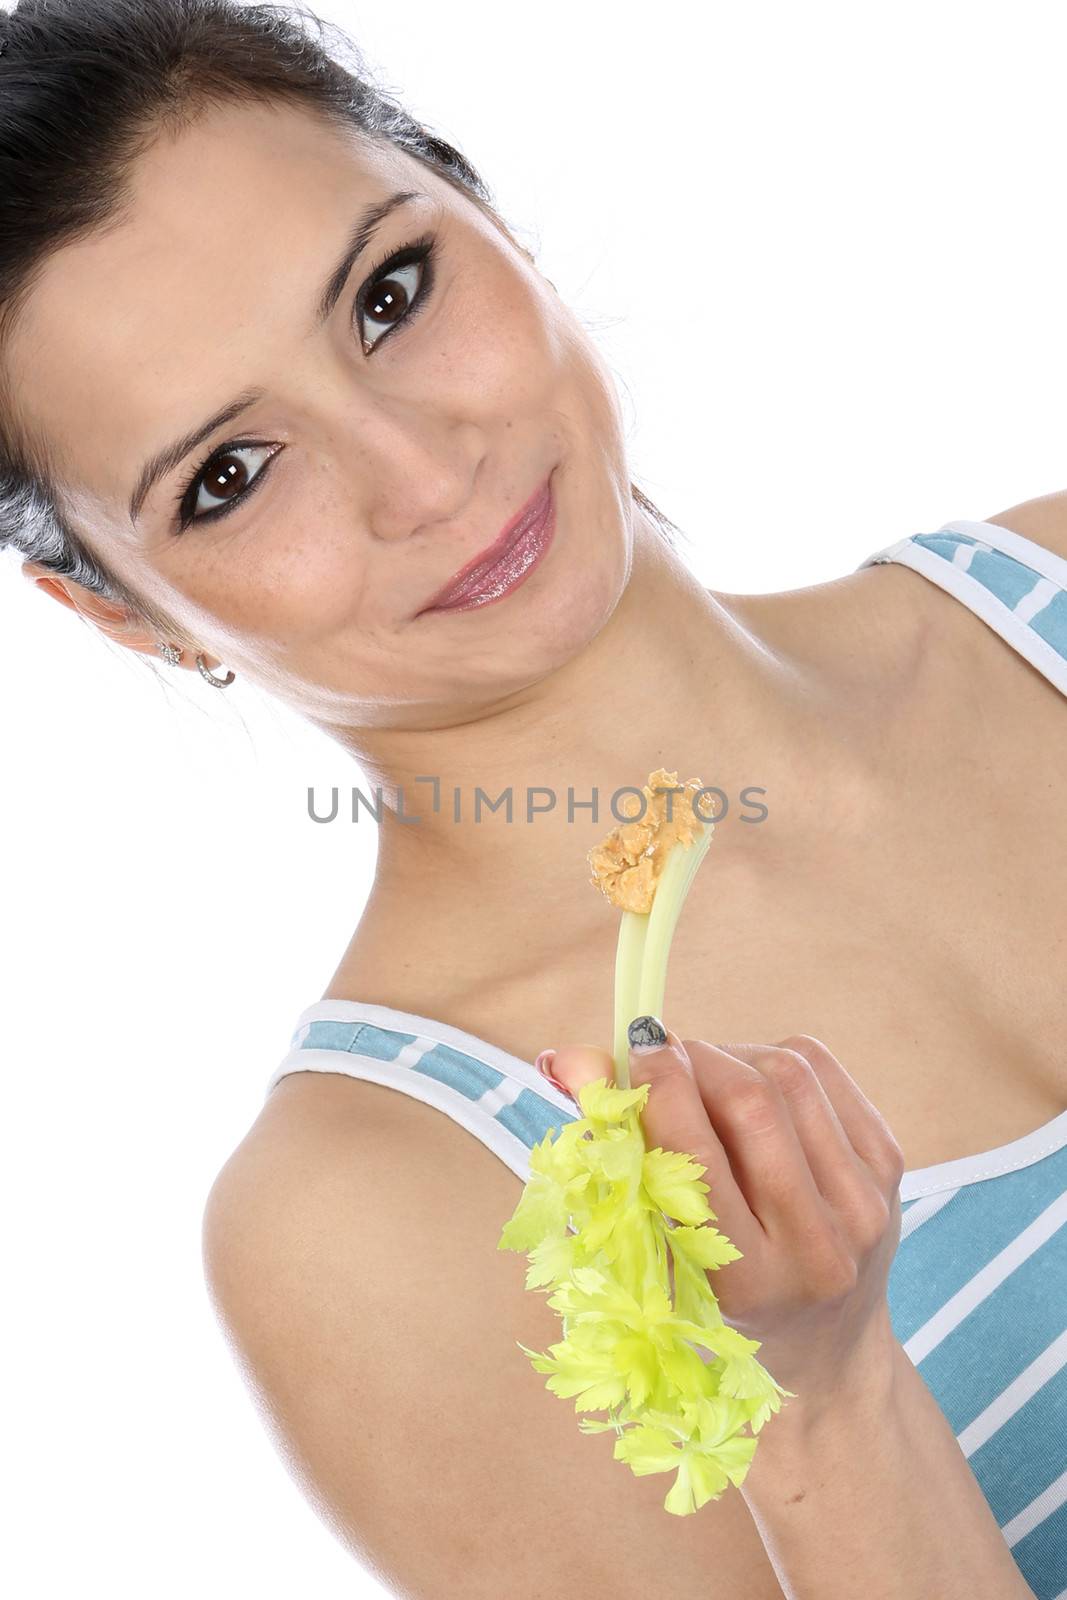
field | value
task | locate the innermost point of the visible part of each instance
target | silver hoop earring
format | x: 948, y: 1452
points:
x: 171, y: 651
x: 216, y: 683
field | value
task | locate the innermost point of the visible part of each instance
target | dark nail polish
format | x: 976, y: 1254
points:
x: 646, y: 1033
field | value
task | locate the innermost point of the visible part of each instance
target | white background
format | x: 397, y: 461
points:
x: 821, y: 248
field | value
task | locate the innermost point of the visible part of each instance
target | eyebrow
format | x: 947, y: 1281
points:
x: 360, y: 236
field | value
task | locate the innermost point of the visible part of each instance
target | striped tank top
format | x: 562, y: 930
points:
x: 978, y: 1287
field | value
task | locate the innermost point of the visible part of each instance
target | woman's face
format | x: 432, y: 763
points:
x: 391, y: 444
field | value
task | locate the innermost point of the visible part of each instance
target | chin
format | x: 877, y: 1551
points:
x: 562, y: 617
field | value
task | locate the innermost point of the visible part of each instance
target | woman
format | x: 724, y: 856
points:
x: 891, y: 918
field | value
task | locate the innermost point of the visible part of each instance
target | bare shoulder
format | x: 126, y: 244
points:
x: 1043, y: 520
x: 350, y: 1247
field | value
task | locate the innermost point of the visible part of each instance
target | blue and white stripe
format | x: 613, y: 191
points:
x: 1016, y: 586
x: 503, y: 1101
x: 978, y: 1299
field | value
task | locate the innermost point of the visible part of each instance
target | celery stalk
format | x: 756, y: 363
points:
x: 629, y: 956
x: 645, y: 945
x: 623, y: 1237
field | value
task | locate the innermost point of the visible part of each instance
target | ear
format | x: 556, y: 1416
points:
x: 111, y: 617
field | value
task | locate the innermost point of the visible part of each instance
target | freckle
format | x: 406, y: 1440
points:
x: 793, y: 1498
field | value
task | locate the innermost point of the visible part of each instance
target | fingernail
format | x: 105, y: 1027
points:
x: 646, y: 1033
x: 543, y: 1063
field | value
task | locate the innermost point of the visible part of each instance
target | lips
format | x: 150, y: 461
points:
x: 471, y: 578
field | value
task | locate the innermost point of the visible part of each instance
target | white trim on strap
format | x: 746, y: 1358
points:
x: 418, y: 1086
x: 1037, y: 556
x: 1000, y: 617
x: 355, y: 1011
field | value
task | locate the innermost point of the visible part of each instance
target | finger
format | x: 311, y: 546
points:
x: 756, y: 1130
x: 675, y: 1118
x: 572, y: 1066
x: 868, y: 1131
x: 841, y: 1176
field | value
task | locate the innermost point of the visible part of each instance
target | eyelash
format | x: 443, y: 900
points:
x: 420, y: 252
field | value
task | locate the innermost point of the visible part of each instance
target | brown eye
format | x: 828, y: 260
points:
x: 221, y: 482
x: 226, y: 477
x: 389, y: 301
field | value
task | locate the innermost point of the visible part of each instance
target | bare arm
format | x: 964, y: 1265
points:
x: 352, y: 1259
x: 876, y: 1498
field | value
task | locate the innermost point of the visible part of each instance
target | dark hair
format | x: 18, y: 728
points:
x: 85, y: 87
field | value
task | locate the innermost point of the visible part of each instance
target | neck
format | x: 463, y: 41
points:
x: 780, y: 694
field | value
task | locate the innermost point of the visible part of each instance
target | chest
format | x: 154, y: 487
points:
x: 927, y: 949
x: 929, y: 956
x: 932, y: 968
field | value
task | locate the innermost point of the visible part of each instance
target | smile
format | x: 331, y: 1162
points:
x: 500, y: 569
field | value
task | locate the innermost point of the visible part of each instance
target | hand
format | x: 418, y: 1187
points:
x: 803, y: 1176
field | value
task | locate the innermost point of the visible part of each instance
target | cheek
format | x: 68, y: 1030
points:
x: 316, y: 580
x: 289, y: 580
x: 500, y: 345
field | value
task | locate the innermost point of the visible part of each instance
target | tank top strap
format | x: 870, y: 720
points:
x: 1038, y: 557
x: 1017, y: 586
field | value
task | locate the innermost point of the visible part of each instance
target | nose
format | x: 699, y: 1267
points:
x: 425, y: 485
